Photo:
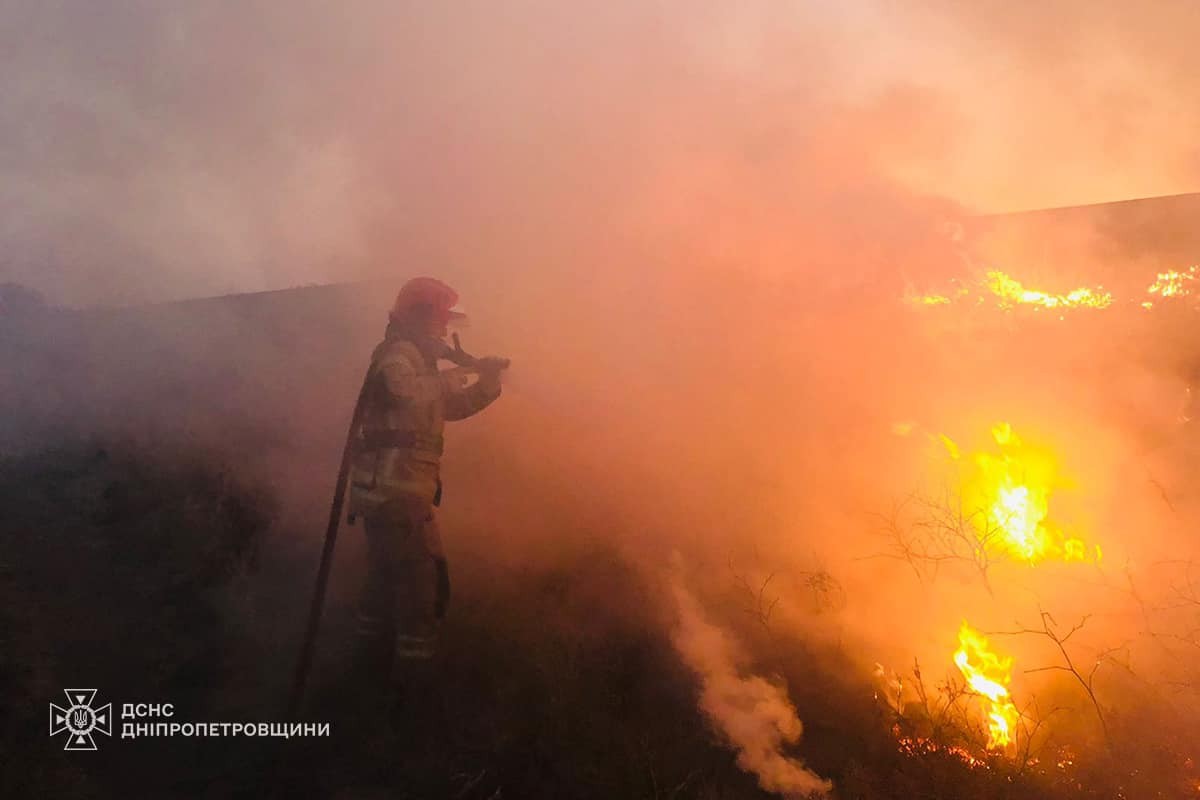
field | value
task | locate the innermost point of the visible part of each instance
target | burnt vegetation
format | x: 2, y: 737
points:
x: 162, y: 577
x: 164, y: 570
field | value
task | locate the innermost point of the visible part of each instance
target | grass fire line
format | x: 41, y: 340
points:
x: 1009, y: 293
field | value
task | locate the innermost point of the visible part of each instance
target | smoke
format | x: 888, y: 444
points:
x: 753, y: 714
x: 688, y: 223
x: 165, y: 150
x: 1059, y: 104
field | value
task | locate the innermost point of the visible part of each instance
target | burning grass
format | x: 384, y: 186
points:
x: 1005, y: 292
x: 547, y: 687
x: 988, y: 675
x: 567, y: 679
x: 998, y: 514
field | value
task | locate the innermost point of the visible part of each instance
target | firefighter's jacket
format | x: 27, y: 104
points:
x: 398, y: 444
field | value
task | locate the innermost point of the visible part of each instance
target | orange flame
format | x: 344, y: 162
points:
x: 1011, y: 489
x: 1011, y: 293
x: 988, y: 674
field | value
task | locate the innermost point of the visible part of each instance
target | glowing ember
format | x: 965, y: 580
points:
x: 960, y: 291
x: 1174, y: 284
x: 988, y: 674
x: 1009, y: 491
x: 912, y: 746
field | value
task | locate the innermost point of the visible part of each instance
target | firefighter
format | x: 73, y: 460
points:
x: 394, y: 476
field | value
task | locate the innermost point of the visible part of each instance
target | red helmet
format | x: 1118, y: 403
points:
x: 429, y: 292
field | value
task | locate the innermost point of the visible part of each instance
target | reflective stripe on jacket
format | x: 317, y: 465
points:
x: 398, y: 446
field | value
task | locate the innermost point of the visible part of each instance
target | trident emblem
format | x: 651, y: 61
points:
x: 79, y: 719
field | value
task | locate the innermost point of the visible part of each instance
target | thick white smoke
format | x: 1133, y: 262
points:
x: 753, y: 714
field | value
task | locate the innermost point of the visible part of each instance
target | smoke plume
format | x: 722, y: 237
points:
x: 753, y: 714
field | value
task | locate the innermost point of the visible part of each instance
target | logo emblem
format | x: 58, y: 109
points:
x: 79, y: 719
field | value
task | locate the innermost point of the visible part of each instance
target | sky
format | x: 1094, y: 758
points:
x: 157, y: 150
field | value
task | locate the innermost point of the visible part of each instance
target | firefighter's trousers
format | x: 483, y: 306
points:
x: 407, y: 588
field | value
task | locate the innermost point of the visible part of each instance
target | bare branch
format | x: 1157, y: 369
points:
x: 1050, y: 631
